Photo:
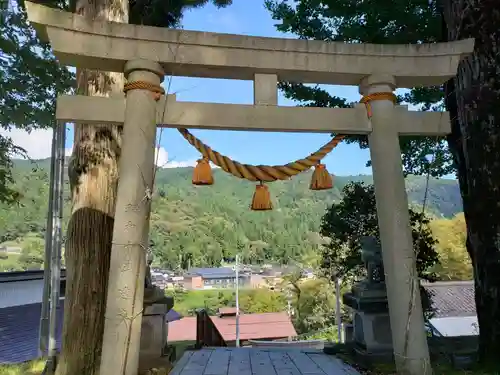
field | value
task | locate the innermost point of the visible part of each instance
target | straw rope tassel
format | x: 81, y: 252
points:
x: 202, y: 173
x: 261, y: 198
x: 260, y: 173
x: 321, y: 179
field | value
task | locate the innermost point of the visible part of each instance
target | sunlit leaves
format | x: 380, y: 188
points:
x: 30, y: 80
x: 372, y: 21
x: 354, y: 217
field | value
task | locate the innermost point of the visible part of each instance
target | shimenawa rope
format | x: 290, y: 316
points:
x: 262, y: 173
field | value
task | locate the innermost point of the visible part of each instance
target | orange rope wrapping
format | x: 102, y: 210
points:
x: 157, y: 90
x: 263, y: 173
x: 376, y: 96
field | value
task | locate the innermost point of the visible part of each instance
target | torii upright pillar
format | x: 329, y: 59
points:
x: 124, y: 306
x: 403, y: 292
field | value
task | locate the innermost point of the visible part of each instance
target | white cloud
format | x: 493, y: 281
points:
x: 161, y: 157
x: 38, y: 145
x: 179, y: 164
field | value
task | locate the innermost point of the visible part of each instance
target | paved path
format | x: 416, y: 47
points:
x: 260, y: 361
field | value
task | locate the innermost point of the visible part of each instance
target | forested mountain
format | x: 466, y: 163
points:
x: 201, y: 225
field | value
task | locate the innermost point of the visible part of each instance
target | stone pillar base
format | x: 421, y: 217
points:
x: 154, y: 331
x: 371, y: 328
x: 372, y: 332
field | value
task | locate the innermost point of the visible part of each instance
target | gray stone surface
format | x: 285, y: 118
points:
x: 102, y: 45
x: 256, y: 361
x: 368, y: 300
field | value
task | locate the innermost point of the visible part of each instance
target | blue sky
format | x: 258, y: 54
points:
x: 249, y: 18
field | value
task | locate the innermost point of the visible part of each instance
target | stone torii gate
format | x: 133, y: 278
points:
x: 146, y: 53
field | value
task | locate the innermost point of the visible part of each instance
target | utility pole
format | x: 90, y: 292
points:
x: 237, y: 271
x: 289, y: 305
x: 338, y: 313
x: 43, y: 345
x: 53, y: 244
x: 55, y: 261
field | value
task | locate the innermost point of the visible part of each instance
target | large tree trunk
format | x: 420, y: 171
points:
x: 93, y: 174
x: 476, y: 145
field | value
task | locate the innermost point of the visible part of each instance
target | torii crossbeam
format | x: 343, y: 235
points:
x: 175, y: 114
x: 147, y: 53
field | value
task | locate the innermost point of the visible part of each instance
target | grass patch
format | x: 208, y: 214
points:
x: 439, y: 369
x: 28, y: 368
x: 9, y: 262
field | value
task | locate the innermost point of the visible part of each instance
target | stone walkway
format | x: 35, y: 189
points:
x: 259, y: 361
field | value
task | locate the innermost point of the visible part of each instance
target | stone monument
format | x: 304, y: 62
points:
x: 153, y: 294
x: 154, y: 328
x: 368, y: 300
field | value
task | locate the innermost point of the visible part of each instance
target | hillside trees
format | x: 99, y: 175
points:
x: 30, y: 80
x: 252, y: 301
x: 188, y: 217
x: 32, y: 254
x: 354, y: 217
x: 455, y: 263
x: 471, y: 149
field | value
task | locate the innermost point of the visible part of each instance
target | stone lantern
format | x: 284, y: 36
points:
x: 368, y: 301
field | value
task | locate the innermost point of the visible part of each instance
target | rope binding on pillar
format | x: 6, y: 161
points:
x: 376, y: 96
x: 157, y: 90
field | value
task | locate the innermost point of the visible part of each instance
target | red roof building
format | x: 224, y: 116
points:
x: 269, y: 326
x: 182, y: 330
x: 266, y: 326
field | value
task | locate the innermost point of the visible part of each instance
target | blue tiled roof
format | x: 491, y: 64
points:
x: 19, y: 326
x: 213, y: 273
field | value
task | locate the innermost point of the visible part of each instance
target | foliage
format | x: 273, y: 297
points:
x: 32, y: 254
x: 27, y: 368
x: 251, y: 301
x: 370, y: 22
x: 30, y: 80
x: 314, y: 307
x: 455, y: 263
x: 31, y: 216
x: 166, y: 13
x: 354, y: 217
x: 201, y: 226
x: 441, y: 366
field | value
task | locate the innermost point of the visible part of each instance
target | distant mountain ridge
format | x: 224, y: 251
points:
x: 443, y: 196
x: 201, y: 225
